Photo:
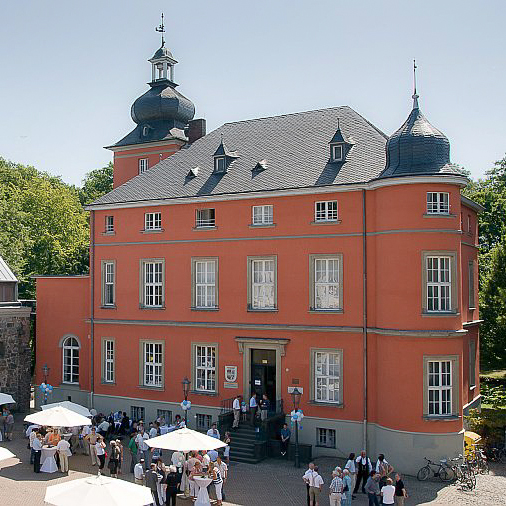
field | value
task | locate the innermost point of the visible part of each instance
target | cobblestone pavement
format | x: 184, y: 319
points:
x: 272, y: 482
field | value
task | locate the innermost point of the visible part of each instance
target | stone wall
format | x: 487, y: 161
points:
x: 15, y: 355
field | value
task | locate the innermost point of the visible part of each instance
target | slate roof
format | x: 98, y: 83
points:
x: 6, y: 275
x: 295, y: 147
x: 417, y: 147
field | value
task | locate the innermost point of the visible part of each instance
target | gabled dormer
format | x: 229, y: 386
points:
x: 223, y: 158
x: 339, y: 146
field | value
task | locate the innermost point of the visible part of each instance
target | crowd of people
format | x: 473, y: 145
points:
x: 345, y: 482
x: 108, y: 438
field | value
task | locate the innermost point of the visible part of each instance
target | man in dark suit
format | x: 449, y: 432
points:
x: 152, y: 479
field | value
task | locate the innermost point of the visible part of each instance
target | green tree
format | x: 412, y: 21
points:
x: 493, y: 309
x: 96, y: 183
x: 43, y: 227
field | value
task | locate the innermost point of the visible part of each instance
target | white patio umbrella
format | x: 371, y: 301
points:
x: 6, y: 454
x: 77, y: 408
x: 185, y: 440
x: 98, y: 491
x: 6, y: 399
x: 58, y: 417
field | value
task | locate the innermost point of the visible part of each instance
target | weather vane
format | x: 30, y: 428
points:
x: 161, y: 29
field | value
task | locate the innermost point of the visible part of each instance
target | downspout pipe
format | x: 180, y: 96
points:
x: 92, y: 307
x: 364, y: 316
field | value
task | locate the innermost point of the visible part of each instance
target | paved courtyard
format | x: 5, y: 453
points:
x: 272, y: 482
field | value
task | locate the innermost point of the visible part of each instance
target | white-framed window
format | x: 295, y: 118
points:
x: 205, y: 368
x: 109, y: 224
x: 204, y: 422
x: 439, y: 379
x: 439, y: 283
x: 205, y: 218
x: 205, y: 277
x: 108, y: 283
x: 325, y: 211
x: 336, y: 152
x: 327, y: 375
x: 109, y: 361
x: 438, y: 203
x: 326, y: 282
x: 152, y: 364
x: 262, y: 215
x: 165, y: 414
x: 263, y: 283
x: 472, y: 363
x: 326, y: 437
x: 71, y: 349
x: 143, y: 165
x: 152, y: 283
x: 137, y: 413
x: 152, y: 221
x: 220, y: 164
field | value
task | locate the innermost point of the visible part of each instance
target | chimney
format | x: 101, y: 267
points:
x: 196, y: 129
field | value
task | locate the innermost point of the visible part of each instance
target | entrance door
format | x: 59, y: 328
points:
x: 263, y: 374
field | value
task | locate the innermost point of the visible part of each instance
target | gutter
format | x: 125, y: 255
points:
x: 364, y: 328
x: 92, y: 307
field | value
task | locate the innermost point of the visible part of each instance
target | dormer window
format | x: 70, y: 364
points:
x: 220, y: 165
x: 336, y: 152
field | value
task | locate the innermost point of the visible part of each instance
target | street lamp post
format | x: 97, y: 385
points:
x: 296, y: 393
x: 186, y: 389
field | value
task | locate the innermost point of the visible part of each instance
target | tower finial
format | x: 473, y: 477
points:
x: 415, y: 96
x: 161, y: 29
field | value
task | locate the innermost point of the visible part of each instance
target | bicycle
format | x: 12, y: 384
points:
x: 494, y: 453
x: 463, y: 473
x: 442, y: 470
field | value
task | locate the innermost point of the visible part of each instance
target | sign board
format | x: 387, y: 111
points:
x: 291, y: 389
x: 227, y: 384
x: 230, y: 373
x: 258, y: 382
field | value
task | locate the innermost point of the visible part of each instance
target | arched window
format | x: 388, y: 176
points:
x: 71, y: 360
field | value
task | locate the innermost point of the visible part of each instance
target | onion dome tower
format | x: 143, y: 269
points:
x: 163, y: 118
x: 417, y: 147
x: 162, y: 111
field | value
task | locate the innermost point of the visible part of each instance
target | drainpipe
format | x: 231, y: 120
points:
x: 364, y: 322
x: 92, y: 306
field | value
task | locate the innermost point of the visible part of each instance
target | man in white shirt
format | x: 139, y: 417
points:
x: 141, y: 439
x: 236, y: 406
x: 139, y: 472
x: 214, y: 432
x: 315, y: 482
x: 33, y: 435
x: 363, y: 467
x: 63, y: 448
x: 253, y: 406
x: 206, y: 459
x: 307, y: 477
x: 103, y: 427
x: 82, y: 439
x: 37, y: 449
x: 153, y: 432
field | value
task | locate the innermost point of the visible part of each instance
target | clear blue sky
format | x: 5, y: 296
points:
x: 71, y: 70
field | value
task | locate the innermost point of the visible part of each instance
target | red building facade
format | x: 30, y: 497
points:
x: 306, y: 250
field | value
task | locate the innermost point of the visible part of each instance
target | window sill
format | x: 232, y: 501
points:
x: 156, y: 308
x: 111, y: 306
x: 215, y: 308
x: 147, y: 387
x: 325, y: 311
x: 436, y: 418
x: 472, y: 309
x: 325, y: 446
x: 439, y: 215
x: 109, y: 233
x: 262, y: 310
x: 472, y: 387
x: 326, y: 404
x: 70, y: 385
x: 153, y: 231
x: 326, y: 222
x: 108, y: 383
x: 262, y: 225
x: 204, y: 392
x: 440, y: 313
x: 212, y: 227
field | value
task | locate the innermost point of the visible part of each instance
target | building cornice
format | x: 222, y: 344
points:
x: 284, y: 327
x: 371, y: 185
x: 130, y: 147
x: 15, y: 311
